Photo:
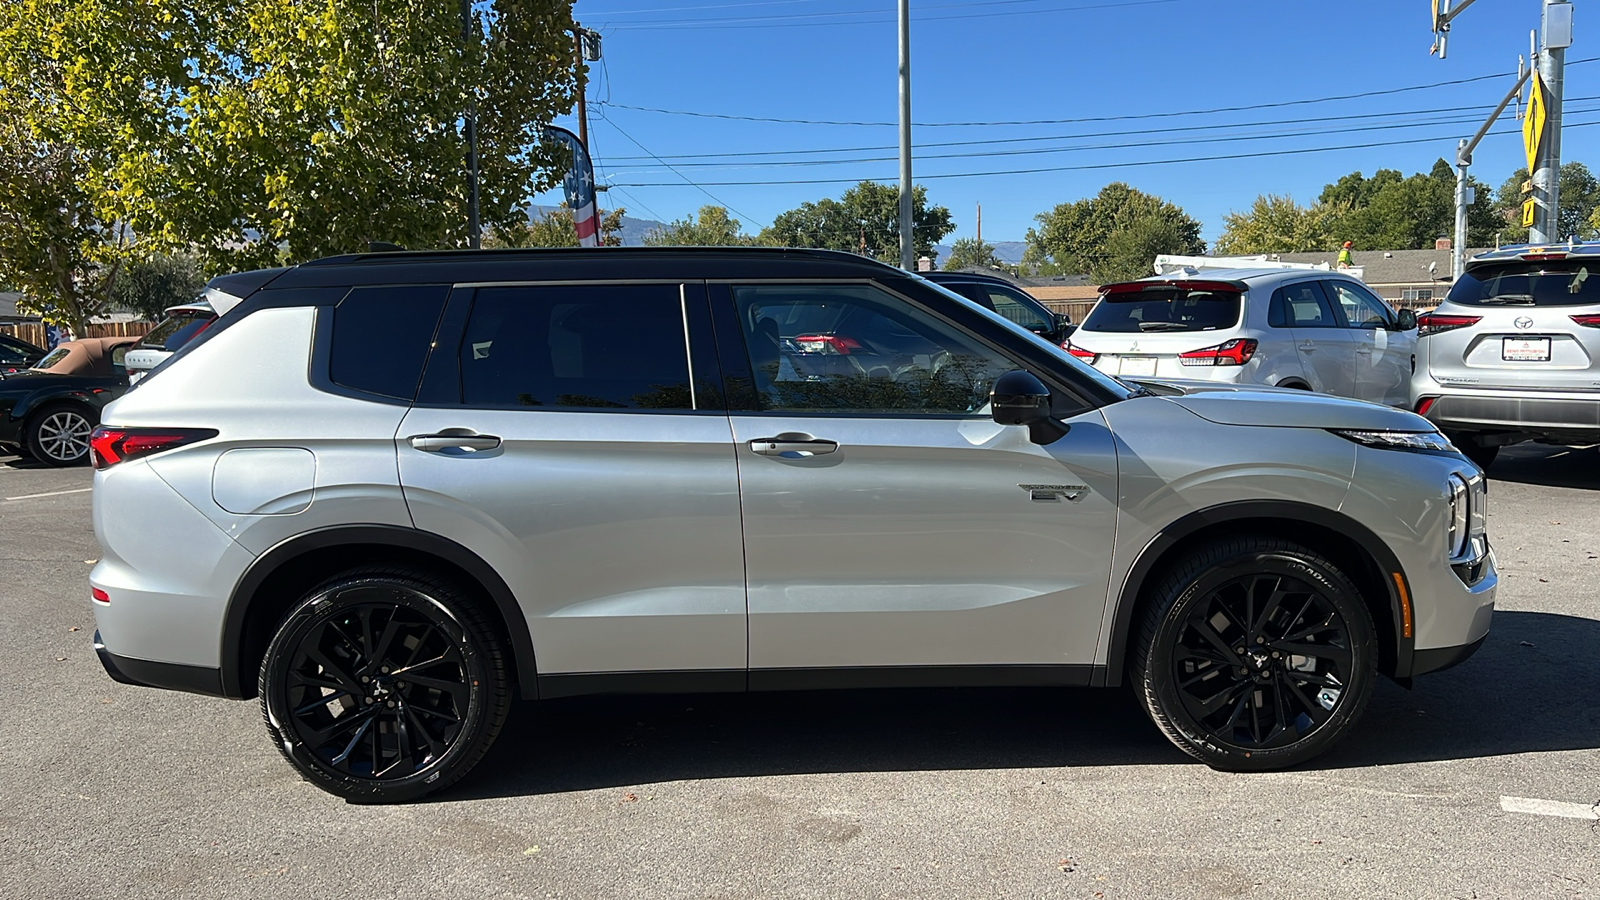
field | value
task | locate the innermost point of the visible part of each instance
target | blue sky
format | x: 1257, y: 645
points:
x: 1011, y: 60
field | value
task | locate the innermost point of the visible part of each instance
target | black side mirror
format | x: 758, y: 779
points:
x: 1019, y: 398
x: 1063, y: 323
x: 1408, y: 320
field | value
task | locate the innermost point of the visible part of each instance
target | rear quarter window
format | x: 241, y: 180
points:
x: 381, y: 338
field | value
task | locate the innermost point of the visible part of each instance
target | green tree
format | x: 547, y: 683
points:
x: 712, y: 228
x: 970, y: 253
x: 1578, y: 214
x: 1391, y: 212
x: 866, y: 217
x: 150, y: 284
x: 1112, y: 236
x: 1277, y: 224
x: 554, y: 229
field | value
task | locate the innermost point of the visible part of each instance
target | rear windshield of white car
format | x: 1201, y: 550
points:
x: 1564, y: 283
x: 175, y: 331
x: 1163, y: 308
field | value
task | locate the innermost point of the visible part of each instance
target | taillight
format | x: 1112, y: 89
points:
x: 99, y: 595
x: 1433, y: 323
x: 829, y: 344
x: 1236, y: 352
x: 1425, y: 404
x: 1588, y: 321
x: 109, y: 445
x: 1078, y: 352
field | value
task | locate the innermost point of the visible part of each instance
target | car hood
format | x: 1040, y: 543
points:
x: 1284, y: 408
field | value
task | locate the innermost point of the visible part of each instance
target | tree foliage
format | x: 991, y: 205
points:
x: 1277, y: 224
x: 713, y: 227
x: 555, y: 229
x: 150, y: 284
x: 1112, y: 236
x: 866, y: 219
x: 970, y: 253
x: 1578, y: 212
x: 262, y: 131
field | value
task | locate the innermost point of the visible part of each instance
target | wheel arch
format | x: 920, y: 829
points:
x: 277, y: 578
x: 1295, y: 382
x: 1360, y: 553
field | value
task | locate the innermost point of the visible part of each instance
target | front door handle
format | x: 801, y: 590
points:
x: 1309, y: 345
x: 463, y: 440
x: 793, y: 445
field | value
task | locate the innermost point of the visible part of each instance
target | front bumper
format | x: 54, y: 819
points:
x: 1440, y: 658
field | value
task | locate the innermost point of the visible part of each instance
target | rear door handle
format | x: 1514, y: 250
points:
x: 466, y: 440
x: 793, y: 445
x: 1309, y: 345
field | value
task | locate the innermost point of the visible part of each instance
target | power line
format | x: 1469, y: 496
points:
x: 1437, y: 121
x: 686, y: 178
x: 1110, y: 165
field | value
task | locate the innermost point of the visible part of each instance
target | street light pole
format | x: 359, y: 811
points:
x: 906, y: 249
x: 470, y: 125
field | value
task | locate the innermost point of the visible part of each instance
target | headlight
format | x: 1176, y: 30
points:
x: 1460, y: 518
x: 1400, y: 440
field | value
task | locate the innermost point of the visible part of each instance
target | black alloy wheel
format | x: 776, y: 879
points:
x: 383, y: 686
x: 58, y: 435
x: 1258, y: 654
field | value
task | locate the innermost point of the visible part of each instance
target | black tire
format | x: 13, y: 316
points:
x: 58, y: 434
x: 345, y: 697
x: 1470, y: 448
x: 1268, y: 707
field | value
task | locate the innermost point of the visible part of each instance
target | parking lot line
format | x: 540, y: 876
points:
x: 50, y: 494
x: 1550, y: 808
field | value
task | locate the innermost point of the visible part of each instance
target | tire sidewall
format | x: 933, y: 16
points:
x: 330, y: 602
x: 1162, y: 690
x: 31, y: 438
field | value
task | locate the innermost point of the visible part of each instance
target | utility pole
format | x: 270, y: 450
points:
x: 906, y: 249
x: 470, y: 126
x: 980, y: 223
x: 1555, y: 28
x: 583, y: 87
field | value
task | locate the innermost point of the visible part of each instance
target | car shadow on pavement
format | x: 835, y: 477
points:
x: 1541, y: 464
x: 1530, y: 688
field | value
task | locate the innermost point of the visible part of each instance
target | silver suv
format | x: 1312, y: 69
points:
x: 1320, y: 331
x: 1513, y: 353
x: 410, y: 488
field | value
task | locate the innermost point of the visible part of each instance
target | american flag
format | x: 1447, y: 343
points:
x: 579, y: 185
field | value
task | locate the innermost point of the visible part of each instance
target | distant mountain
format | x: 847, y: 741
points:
x: 633, y: 230
x: 1010, y: 252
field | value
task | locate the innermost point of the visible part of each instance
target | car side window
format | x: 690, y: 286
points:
x: 1016, y: 310
x: 594, y: 347
x: 12, y: 353
x: 1361, y: 309
x: 381, y: 338
x: 1305, y: 307
x: 855, y: 348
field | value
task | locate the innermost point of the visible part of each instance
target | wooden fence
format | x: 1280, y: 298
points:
x: 33, y: 332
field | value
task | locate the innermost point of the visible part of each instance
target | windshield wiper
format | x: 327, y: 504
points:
x: 1163, y: 326
x: 1508, y: 300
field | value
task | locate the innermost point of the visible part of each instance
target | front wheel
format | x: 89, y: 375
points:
x: 384, y: 685
x: 1256, y: 653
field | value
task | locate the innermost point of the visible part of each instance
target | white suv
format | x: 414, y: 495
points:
x: 1319, y: 331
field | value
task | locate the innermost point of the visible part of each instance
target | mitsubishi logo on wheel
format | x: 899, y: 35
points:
x: 1523, y: 322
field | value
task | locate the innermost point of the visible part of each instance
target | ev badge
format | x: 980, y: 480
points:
x: 1523, y: 322
x: 1055, y: 493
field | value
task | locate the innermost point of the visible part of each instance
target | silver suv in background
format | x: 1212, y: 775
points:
x: 1513, y: 353
x: 1319, y: 331
x: 411, y: 487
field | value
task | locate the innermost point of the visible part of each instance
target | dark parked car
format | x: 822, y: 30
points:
x: 16, y: 355
x: 994, y: 293
x: 50, y: 409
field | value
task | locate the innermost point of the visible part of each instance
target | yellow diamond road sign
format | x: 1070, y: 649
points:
x: 1527, y: 213
x: 1533, y: 122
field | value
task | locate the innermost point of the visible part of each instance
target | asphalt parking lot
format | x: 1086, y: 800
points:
x: 114, y: 791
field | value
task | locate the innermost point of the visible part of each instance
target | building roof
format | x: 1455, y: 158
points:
x: 8, y: 310
x: 1388, y: 266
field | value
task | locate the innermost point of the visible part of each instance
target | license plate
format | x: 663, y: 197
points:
x: 1525, y: 350
x: 1138, y: 365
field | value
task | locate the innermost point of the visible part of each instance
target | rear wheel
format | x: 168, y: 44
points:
x: 1468, y: 444
x: 58, y: 435
x: 1256, y: 653
x: 384, y: 685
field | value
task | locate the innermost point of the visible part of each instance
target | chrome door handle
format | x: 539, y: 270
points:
x: 434, y: 443
x: 1364, y: 351
x: 793, y: 445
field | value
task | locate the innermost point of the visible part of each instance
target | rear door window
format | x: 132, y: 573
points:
x: 583, y: 347
x: 1549, y: 283
x: 1165, y: 307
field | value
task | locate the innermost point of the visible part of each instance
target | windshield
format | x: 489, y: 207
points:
x: 1550, y: 283
x: 175, y: 331
x: 1160, y: 308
